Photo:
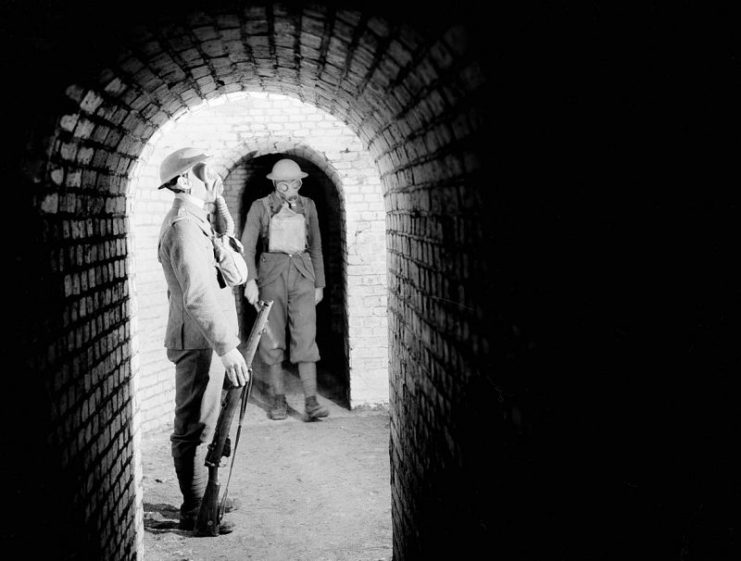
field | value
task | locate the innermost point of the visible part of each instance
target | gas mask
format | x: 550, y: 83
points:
x: 288, y: 190
x: 210, y: 179
x: 217, y: 207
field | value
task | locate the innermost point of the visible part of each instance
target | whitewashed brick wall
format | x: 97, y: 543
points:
x: 231, y: 128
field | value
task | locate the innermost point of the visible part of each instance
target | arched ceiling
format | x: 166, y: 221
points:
x: 386, y: 74
x: 369, y: 72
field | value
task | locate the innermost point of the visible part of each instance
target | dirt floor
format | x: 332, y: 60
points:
x: 309, y: 491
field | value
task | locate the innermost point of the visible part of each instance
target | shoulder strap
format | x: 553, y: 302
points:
x: 267, y: 215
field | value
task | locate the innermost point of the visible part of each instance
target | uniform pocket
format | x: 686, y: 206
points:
x: 305, y: 266
x: 270, y: 267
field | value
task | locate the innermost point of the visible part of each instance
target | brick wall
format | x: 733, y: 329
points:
x: 86, y: 365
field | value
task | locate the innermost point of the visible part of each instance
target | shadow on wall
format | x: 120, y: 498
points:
x: 333, y: 369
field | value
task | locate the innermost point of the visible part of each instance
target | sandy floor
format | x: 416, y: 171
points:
x: 309, y: 491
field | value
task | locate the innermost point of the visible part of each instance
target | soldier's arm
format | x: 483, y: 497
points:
x: 315, y: 244
x: 250, y: 237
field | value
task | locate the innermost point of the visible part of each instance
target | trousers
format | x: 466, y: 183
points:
x: 199, y: 380
x: 294, y: 307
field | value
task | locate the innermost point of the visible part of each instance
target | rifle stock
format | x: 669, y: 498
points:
x: 209, y: 521
x: 209, y: 515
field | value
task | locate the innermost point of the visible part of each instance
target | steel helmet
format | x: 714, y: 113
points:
x: 179, y: 162
x: 285, y: 170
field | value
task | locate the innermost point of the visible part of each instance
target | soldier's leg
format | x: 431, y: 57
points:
x: 198, y: 383
x: 277, y: 382
x: 307, y: 373
x: 304, y: 350
x: 313, y: 410
x: 272, y: 346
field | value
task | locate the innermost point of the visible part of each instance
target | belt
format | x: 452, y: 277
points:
x: 284, y: 253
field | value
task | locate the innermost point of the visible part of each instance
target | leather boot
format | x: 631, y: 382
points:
x: 192, y: 476
x: 313, y: 410
x: 279, y: 411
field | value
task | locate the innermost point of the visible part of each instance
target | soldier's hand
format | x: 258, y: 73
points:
x: 251, y: 291
x: 318, y: 295
x: 236, y: 367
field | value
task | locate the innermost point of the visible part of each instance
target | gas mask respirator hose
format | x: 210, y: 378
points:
x: 222, y: 211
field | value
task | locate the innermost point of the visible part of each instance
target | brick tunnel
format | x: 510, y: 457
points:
x: 526, y: 369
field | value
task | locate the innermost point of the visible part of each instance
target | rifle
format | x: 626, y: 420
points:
x: 211, y: 511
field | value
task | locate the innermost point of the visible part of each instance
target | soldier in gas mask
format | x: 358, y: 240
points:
x: 291, y: 274
x: 202, y: 332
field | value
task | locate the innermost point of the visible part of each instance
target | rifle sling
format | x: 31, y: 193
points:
x: 242, y: 408
x: 257, y: 329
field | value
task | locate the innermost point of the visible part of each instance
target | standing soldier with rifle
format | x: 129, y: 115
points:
x: 202, y: 332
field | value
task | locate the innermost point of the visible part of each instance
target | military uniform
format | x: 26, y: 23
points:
x: 202, y: 323
x: 287, y: 273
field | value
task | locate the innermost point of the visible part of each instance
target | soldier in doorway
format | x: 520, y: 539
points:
x: 202, y: 331
x: 291, y: 274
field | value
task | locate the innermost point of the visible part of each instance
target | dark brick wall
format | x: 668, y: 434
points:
x: 70, y: 420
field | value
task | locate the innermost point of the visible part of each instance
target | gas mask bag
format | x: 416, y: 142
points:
x: 228, y: 250
x: 287, y: 232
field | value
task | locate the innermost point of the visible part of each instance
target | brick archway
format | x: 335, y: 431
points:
x: 339, y: 156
